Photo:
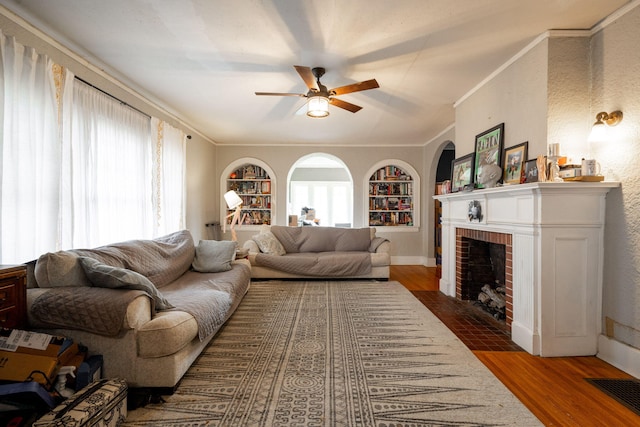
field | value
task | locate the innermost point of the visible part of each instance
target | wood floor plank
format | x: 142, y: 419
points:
x: 553, y: 388
x: 415, y: 277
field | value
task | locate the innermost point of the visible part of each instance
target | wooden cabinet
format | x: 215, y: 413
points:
x: 253, y: 183
x: 391, y: 197
x: 13, y: 296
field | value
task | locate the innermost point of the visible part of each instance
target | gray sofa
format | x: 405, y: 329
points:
x: 280, y: 252
x: 139, y: 303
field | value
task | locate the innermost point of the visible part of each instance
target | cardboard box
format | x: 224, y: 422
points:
x: 19, y: 367
x: 56, y: 345
x: 40, y: 365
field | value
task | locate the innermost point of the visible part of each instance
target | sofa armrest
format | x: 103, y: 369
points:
x: 384, y: 247
x: 251, y: 246
x: 137, y: 313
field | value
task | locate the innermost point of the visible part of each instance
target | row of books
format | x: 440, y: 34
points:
x: 390, y: 204
x: 390, y: 218
x: 389, y: 172
x: 250, y: 187
x: 249, y: 172
x: 388, y: 188
x: 252, y: 216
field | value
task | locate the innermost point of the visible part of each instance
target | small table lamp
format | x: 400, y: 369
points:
x: 233, y: 202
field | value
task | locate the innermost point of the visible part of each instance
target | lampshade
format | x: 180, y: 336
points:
x: 317, y: 107
x: 598, y: 132
x: 232, y: 199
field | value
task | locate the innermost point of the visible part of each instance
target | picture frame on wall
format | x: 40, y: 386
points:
x: 514, y: 159
x: 531, y: 171
x: 488, y: 151
x: 462, y: 172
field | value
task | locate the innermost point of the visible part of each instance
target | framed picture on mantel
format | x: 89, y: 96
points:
x: 462, y: 172
x: 514, y: 159
x: 488, y: 151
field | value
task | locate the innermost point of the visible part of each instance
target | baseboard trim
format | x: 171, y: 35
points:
x: 620, y: 355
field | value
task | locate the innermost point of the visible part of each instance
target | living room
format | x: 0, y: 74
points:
x: 549, y: 90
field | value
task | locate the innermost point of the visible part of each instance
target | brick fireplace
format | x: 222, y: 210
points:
x: 553, y: 235
x: 464, y: 236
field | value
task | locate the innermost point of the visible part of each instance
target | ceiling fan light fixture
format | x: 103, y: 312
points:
x: 318, y: 107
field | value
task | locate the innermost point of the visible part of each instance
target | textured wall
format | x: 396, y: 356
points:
x: 616, y: 86
x: 568, y: 117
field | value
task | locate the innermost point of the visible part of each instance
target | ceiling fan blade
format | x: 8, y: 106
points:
x: 307, y: 76
x: 345, y: 105
x: 355, y: 87
x: 278, y: 94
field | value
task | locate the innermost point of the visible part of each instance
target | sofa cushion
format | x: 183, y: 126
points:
x: 268, y: 243
x: 213, y: 256
x: 106, y: 276
x: 322, y: 239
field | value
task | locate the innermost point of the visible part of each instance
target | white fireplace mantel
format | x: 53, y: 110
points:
x: 557, y: 236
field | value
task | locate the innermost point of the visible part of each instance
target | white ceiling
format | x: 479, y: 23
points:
x: 203, y: 59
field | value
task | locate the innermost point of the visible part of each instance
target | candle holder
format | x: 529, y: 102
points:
x: 554, y: 168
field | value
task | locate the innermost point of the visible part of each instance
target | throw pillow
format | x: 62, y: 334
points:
x: 214, y: 256
x: 269, y: 244
x: 105, y: 276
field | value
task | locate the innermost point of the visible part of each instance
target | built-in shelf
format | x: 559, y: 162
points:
x: 253, y: 181
x: 392, y: 197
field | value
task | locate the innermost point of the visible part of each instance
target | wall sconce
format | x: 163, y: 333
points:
x: 318, y: 107
x: 599, y: 129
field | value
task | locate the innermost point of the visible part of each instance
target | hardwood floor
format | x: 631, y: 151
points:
x: 554, y: 389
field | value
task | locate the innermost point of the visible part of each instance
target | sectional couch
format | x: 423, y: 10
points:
x: 280, y: 252
x: 148, y: 306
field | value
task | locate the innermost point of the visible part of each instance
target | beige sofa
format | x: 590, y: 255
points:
x: 144, y: 346
x: 280, y: 252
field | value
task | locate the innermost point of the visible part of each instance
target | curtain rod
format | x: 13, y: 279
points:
x: 111, y: 96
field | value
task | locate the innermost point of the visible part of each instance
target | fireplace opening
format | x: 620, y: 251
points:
x: 484, y: 283
x: 483, y: 272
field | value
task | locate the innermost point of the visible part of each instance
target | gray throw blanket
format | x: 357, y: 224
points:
x: 209, y: 297
x: 325, y: 264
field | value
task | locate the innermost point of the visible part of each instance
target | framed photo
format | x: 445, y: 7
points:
x: 488, y: 150
x: 531, y: 171
x: 514, y: 159
x: 462, y: 172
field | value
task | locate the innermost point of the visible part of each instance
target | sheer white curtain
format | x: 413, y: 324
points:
x: 169, y: 177
x: 110, y: 168
x: 30, y: 154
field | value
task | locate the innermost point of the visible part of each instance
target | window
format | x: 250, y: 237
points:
x: 79, y: 168
x: 323, y: 183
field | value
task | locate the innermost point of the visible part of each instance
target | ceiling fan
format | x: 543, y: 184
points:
x: 320, y: 97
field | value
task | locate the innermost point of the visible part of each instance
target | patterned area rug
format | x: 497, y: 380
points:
x: 336, y: 354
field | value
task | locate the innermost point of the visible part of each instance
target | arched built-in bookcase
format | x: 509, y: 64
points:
x: 393, y: 196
